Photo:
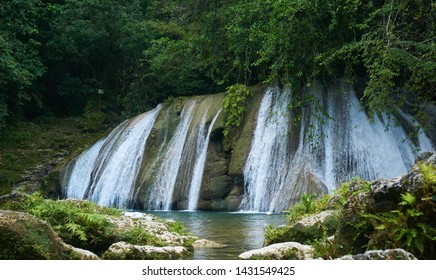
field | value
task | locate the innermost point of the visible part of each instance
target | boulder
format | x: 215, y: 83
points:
x: 309, y: 228
x: 158, y: 229
x: 280, y: 251
x: 391, y: 254
x: 126, y: 251
x: 23, y: 236
x: 204, y: 243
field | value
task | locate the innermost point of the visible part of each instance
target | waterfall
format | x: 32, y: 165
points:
x: 81, y: 173
x: 344, y: 144
x: 106, y: 173
x: 266, y: 166
x: 159, y: 159
x: 197, y: 177
x: 161, y: 192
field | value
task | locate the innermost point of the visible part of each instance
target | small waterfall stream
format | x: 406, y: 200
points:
x: 107, y: 171
x: 197, y: 177
x: 266, y: 166
x: 161, y: 192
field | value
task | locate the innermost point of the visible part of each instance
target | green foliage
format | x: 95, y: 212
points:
x: 91, y: 121
x: 81, y: 224
x: 307, y: 201
x: 307, y: 205
x: 403, y: 228
x: 55, y: 54
x: 234, y: 106
x: 429, y: 178
x: 139, y: 236
x: 275, y: 235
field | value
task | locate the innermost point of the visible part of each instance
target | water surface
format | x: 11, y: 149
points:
x: 239, y: 231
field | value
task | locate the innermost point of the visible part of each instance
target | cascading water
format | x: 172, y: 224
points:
x: 197, y: 177
x: 159, y: 160
x: 266, y: 166
x: 108, y: 170
x: 341, y: 146
x: 161, y: 192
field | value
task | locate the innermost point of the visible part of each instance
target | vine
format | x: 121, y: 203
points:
x: 234, y: 106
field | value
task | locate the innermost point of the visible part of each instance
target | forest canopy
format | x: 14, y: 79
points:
x: 55, y: 55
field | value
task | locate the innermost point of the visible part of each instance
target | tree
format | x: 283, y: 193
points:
x: 20, y: 64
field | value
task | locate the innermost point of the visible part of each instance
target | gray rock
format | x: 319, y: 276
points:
x: 126, y: 251
x: 391, y: 254
x: 280, y: 251
x: 204, y: 243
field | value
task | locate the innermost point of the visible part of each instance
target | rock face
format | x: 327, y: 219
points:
x: 280, y: 251
x: 23, y: 236
x: 125, y: 251
x: 392, y: 254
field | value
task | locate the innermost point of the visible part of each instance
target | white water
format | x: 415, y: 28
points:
x: 266, y: 166
x: 282, y: 164
x: 161, y: 192
x: 108, y: 176
x: 197, y: 176
x: 81, y: 174
x: 343, y: 146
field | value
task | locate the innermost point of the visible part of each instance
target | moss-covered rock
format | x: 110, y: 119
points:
x: 306, y: 229
x: 23, y: 236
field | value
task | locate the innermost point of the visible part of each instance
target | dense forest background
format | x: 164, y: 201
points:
x: 56, y: 54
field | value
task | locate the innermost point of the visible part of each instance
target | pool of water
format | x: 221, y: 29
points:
x: 240, y: 232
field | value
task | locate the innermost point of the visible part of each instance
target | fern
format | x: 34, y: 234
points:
x: 76, y: 230
x: 428, y: 172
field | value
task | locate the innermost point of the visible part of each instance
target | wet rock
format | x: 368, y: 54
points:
x: 280, y: 251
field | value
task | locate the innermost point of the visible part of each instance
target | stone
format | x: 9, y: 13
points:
x: 156, y: 228
x: 390, y: 254
x: 204, y: 243
x: 309, y: 228
x: 23, y: 236
x: 126, y: 251
x: 280, y: 251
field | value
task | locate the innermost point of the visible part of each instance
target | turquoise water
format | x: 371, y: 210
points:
x: 239, y: 231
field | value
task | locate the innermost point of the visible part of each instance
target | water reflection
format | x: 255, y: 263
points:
x: 239, y: 231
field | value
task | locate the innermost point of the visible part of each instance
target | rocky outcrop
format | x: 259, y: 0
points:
x: 355, y: 230
x: 392, y: 254
x: 308, y: 228
x: 23, y: 236
x: 280, y: 251
x: 159, y: 229
x: 125, y: 251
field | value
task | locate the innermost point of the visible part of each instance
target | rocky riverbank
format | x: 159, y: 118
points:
x: 74, y: 229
